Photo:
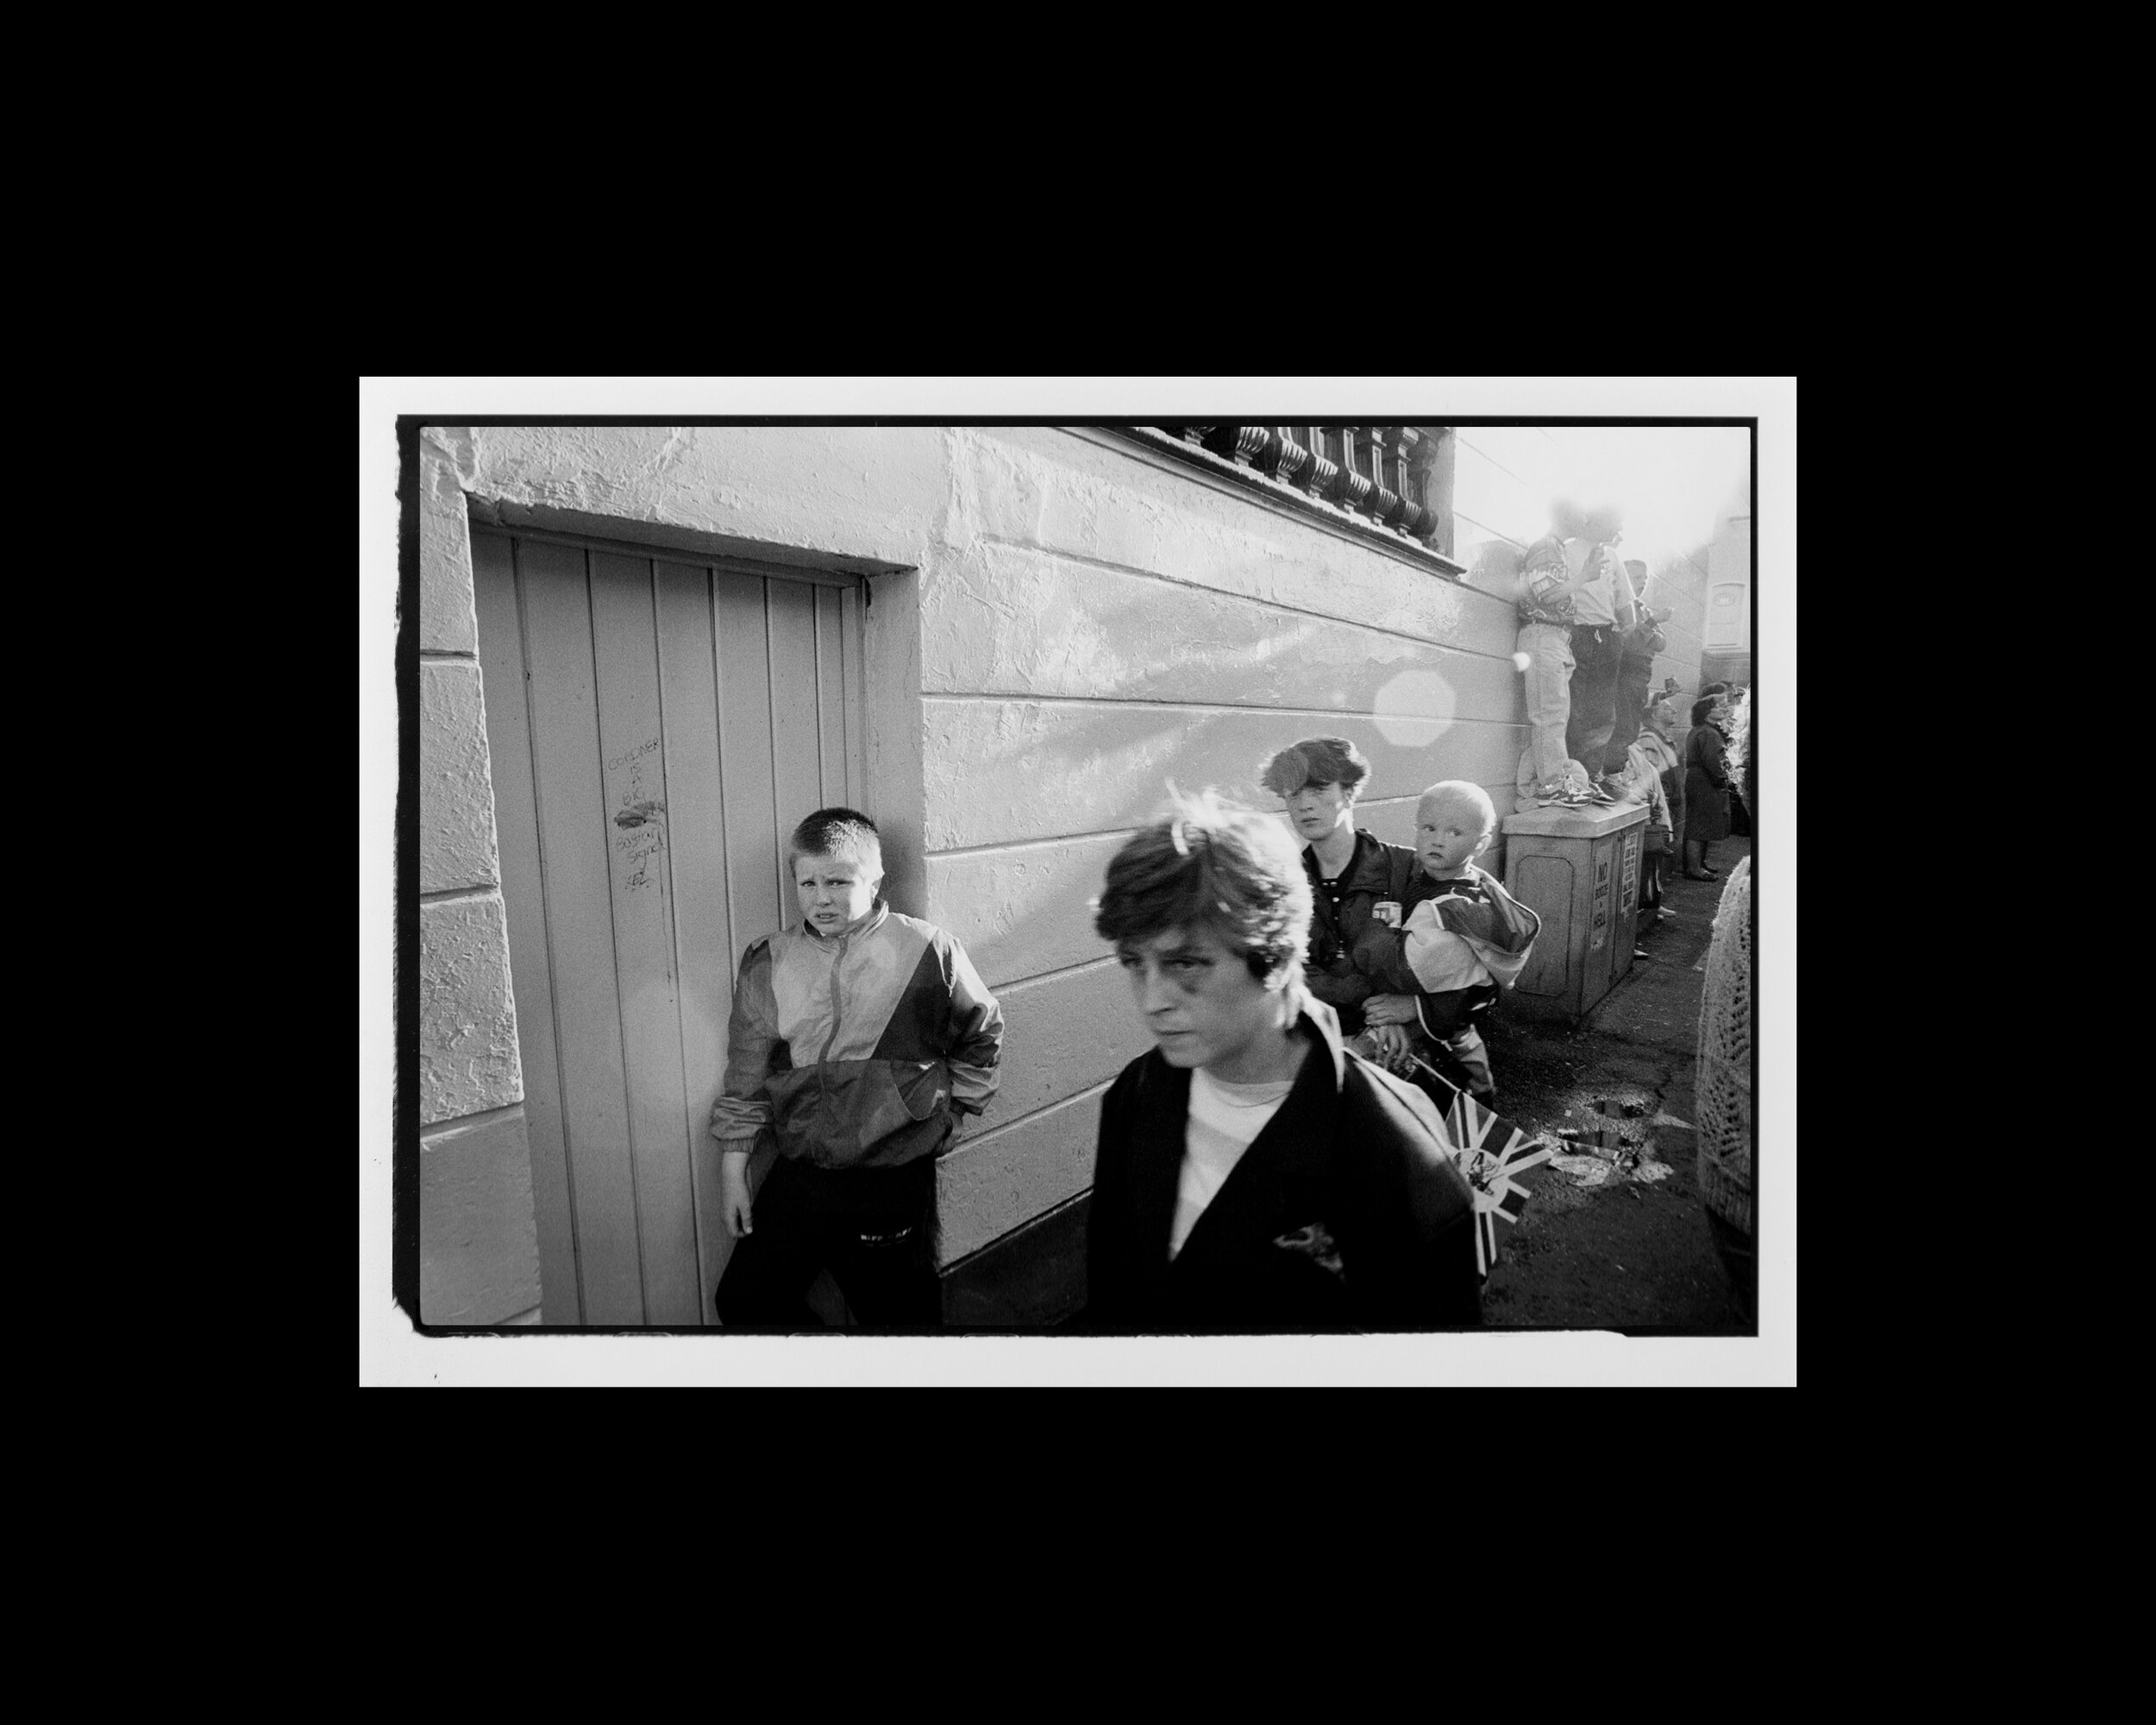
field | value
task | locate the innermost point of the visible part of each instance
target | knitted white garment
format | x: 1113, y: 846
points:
x: 1725, y: 1057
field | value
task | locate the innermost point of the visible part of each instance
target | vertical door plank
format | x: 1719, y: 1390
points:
x: 855, y: 691
x: 705, y: 950
x: 573, y: 833
x: 516, y: 820
x: 796, y: 758
x: 830, y: 696
x: 632, y: 755
x: 753, y: 834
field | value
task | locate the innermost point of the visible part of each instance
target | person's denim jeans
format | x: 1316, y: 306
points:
x: 1548, y: 650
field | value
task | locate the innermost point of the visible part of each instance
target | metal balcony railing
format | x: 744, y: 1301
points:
x: 1381, y: 472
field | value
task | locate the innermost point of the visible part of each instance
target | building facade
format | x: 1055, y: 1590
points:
x: 1725, y: 644
x: 647, y: 651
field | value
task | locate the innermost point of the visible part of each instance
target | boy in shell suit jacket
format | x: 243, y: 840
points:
x: 855, y: 1041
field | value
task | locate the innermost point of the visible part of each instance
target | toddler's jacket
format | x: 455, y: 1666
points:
x: 1464, y: 941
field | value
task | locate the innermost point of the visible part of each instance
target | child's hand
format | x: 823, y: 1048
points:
x: 1388, y: 1009
x: 733, y: 1193
x: 1388, y: 1044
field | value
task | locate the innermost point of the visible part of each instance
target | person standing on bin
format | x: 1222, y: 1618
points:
x: 1635, y: 664
x: 1252, y: 1173
x: 1543, y: 649
x: 1602, y: 608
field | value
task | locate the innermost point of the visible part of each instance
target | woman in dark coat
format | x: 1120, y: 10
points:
x: 1253, y: 1174
x: 1706, y: 790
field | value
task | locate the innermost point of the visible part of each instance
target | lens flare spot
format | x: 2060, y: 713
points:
x: 1414, y: 708
x: 1520, y: 663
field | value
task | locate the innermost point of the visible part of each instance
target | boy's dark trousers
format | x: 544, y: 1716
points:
x: 872, y: 1228
x: 1596, y: 651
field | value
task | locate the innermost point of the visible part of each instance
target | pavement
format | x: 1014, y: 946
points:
x: 1628, y: 1248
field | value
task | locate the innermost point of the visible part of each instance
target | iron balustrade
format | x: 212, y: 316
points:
x: 1381, y: 472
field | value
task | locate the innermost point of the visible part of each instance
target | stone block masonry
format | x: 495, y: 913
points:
x: 479, y: 1255
x: 478, y: 1243
x: 456, y: 797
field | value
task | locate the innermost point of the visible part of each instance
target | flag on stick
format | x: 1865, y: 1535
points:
x: 1492, y: 1152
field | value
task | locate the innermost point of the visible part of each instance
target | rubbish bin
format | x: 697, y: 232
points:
x: 1578, y: 869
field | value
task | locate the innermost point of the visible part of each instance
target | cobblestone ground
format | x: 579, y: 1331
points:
x: 1633, y: 1252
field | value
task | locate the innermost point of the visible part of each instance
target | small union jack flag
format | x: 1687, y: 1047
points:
x: 1491, y: 1151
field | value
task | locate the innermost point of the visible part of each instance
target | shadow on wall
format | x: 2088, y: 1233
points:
x: 1133, y: 640
x: 1496, y: 567
x: 1017, y: 772
x: 1069, y: 757
x: 1020, y: 770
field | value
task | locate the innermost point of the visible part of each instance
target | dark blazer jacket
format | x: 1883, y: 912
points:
x: 1376, y: 871
x: 1345, y: 1213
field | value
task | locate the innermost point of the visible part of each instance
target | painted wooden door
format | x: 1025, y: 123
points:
x: 656, y: 725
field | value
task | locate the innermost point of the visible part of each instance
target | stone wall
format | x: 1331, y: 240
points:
x: 478, y: 1247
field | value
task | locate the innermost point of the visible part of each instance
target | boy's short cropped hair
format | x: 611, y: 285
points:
x: 1315, y: 760
x: 1215, y: 862
x: 1466, y: 791
x: 1704, y: 706
x: 837, y: 833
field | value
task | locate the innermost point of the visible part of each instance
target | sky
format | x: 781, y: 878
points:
x: 1672, y: 482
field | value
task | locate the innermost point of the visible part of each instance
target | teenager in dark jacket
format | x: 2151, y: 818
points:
x: 1355, y: 877
x: 1253, y: 1174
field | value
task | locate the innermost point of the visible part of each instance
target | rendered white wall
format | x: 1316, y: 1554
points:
x: 1095, y: 626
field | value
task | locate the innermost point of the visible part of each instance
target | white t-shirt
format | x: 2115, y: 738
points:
x: 1224, y: 1119
x: 1598, y: 602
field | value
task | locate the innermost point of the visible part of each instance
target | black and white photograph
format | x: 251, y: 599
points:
x: 1077, y: 881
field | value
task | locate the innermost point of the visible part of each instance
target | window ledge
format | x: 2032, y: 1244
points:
x: 1191, y: 461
